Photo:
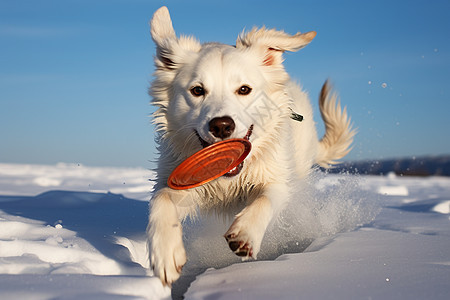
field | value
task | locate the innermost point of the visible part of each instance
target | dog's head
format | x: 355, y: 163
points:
x: 212, y: 92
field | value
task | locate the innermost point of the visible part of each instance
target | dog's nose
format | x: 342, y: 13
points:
x: 222, y: 127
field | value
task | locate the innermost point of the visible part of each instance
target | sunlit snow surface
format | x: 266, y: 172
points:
x: 77, y: 232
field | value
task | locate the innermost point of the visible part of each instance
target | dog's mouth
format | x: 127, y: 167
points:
x: 236, y: 170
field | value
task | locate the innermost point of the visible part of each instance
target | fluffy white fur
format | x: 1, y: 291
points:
x: 282, y: 149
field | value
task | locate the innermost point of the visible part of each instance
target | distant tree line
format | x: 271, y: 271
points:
x: 414, y: 166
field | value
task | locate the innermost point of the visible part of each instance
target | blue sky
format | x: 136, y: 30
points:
x: 74, y: 74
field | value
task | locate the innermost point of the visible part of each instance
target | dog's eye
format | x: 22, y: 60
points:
x: 197, y: 91
x: 244, y: 90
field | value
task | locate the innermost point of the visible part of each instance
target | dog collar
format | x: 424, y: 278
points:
x: 295, y: 116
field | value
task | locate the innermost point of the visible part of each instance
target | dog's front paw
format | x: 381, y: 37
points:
x: 247, y: 231
x: 239, y: 245
x: 243, y: 239
x: 167, y: 257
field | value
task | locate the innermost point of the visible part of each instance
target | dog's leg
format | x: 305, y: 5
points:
x: 164, y: 231
x: 247, y: 231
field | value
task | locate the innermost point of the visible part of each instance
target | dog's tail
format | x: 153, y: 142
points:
x: 336, y: 143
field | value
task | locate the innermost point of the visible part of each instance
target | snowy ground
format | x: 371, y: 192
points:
x: 77, y: 232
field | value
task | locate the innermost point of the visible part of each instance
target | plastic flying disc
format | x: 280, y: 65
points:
x: 209, y: 163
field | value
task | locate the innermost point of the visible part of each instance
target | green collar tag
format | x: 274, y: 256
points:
x: 295, y: 116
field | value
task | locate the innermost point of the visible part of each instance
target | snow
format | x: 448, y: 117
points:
x: 400, y: 190
x: 442, y: 207
x: 77, y: 232
x: 25, y: 180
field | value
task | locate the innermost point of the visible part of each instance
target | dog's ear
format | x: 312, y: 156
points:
x: 169, y: 49
x: 161, y: 26
x: 273, y: 43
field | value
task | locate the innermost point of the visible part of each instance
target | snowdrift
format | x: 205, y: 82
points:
x: 71, y: 232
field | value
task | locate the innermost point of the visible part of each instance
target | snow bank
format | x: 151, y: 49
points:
x: 28, y: 180
x: 400, y: 190
x: 366, y: 264
x: 402, y: 254
x: 443, y: 207
x: 79, y: 241
x: 66, y: 233
x: 320, y: 207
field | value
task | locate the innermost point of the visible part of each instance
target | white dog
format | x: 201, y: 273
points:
x: 211, y: 92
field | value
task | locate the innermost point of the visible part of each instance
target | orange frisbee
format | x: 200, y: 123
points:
x: 209, y: 163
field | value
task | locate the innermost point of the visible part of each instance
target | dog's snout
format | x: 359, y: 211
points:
x: 222, y: 127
